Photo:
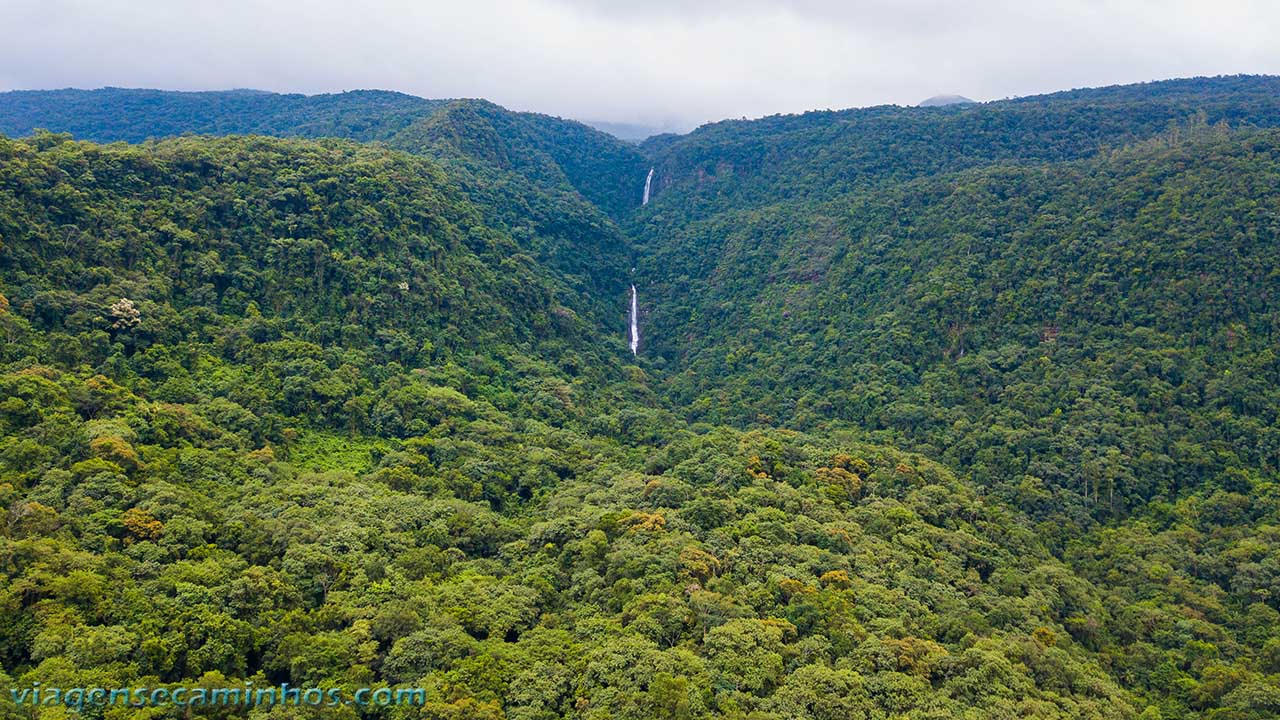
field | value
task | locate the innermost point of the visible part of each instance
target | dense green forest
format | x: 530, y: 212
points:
x: 110, y: 114
x: 958, y: 412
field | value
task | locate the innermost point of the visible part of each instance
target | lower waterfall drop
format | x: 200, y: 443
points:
x: 635, y: 330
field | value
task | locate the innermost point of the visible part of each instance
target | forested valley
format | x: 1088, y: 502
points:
x: 938, y: 412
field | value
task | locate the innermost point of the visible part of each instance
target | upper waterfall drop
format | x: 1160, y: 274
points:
x: 635, y: 329
x: 648, y: 181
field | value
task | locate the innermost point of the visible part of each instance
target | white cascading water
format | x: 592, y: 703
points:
x: 635, y: 330
x: 648, y: 180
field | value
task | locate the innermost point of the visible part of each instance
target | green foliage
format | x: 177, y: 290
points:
x: 111, y: 114
x: 547, y: 150
x: 1083, y: 338
x: 950, y: 412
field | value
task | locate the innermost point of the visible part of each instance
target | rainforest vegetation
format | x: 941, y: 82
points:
x: 957, y: 412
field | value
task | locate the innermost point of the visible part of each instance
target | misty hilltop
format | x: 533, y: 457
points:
x: 940, y: 100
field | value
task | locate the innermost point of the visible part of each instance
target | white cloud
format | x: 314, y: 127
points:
x: 650, y: 62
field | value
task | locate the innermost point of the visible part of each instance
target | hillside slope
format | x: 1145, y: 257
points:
x: 736, y: 164
x: 376, y: 251
x: 546, y: 150
x: 288, y: 411
x: 113, y: 114
x: 1105, y: 327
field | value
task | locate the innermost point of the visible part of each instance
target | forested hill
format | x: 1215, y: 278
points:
x: 547, y: 150
x: 291, y: 411
x: 966, y: 411
x: 1083, y: 336
x: 1093, y: 227
x: 339, y: 243
x: 131, y: 115
x: 724, y: 165
x: 736, y: 164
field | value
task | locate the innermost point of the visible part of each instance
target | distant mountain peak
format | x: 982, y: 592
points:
x: 940, y: 100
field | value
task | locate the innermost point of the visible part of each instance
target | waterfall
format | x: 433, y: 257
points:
x: 635, y: 330
x: 648, y: 180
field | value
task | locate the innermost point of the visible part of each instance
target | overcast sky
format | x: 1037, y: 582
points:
x: 661, y: 62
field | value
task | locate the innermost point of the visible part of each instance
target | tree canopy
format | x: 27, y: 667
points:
x: 968, y: 411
